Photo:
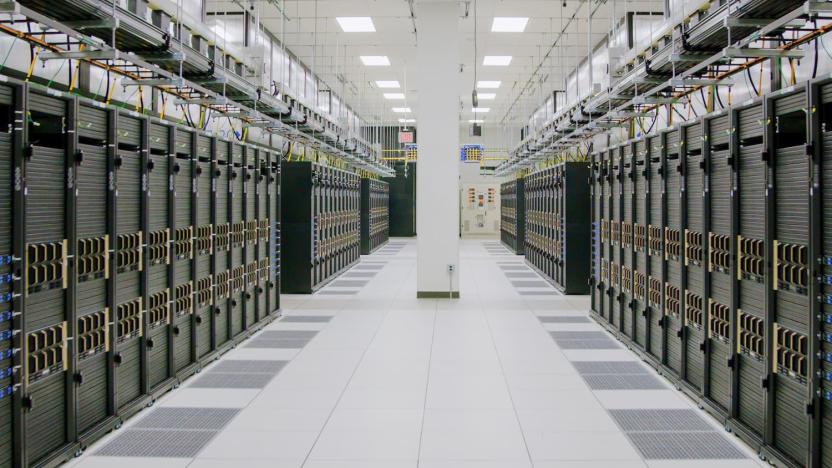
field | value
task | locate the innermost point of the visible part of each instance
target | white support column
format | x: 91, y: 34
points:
x: 437, y: 169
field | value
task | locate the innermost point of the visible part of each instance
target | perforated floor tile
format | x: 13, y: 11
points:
x: 540, y: 292
x: 229, y: 380
x: 187, y: 418
x: 563, y: 319
x: 359, y: 274
x: 288, y: 334
x: 514, y: 267
x: 578, y: 335
x: 156, y: 443
x: 605, y: 343
x: 337, y: 293
x: 609, y: 367
x: 684, y: 446
x: 344, y: 283
x: 520, y: 274
x: 277, y: 343
x: 249, y: 366
x: 659, y: 420
x: 623, y: 382
x: 305, y: 318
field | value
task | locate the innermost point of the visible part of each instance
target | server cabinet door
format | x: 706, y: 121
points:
x: 92, y: 270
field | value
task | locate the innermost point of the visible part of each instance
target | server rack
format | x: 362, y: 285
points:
x: 748, y: 188
x: 108, y: 266
x: 513, y: 215
x: 321, y: 227
x: 558, y: 225
x: 375, y: 214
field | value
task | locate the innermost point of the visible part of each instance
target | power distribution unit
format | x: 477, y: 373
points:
x: 375, y: 214
x: 712, y: 257
x: 321, y: 227
x: 132, y: 252
x: 558, y: 225
x: 513, y: 215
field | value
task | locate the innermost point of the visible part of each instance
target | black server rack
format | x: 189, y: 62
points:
x: 375, y: 214
x: 403, y: 200
x: 558, y: 225
x: 735, y: 261
x: 111, y: 264
x: 321, y: 227
x: 513, y: 215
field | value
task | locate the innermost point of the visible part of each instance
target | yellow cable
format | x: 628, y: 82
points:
x: 34, y: 59
x: 77, y: 71
x: 140, y: 99
x: 110, y: 94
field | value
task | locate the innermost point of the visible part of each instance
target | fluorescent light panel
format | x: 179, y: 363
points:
x: 509, y: 24
x: 496, y: 60
x: 480, y: 110
x: 407, y: 120
x: 486, y: 96
x: 488, y: 84
x: 356, y: 24
x: 375, y: 60
x: 393, y: 84
x: 401, y: 110
x: 476, y: 121
x: 393, y: 95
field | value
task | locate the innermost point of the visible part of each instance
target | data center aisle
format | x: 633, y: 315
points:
x: 364, y: 375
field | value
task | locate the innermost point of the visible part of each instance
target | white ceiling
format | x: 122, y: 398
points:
x: 312, y: 33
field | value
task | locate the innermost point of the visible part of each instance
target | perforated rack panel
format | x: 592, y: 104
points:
x: 321, y: 227
x: 375, y: 214
x: 513, y: 215
x: 113, y: 286
x: 558, y: 225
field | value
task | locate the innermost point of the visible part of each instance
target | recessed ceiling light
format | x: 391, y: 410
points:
x: 480, y: 110
x: 488, y: 84
x: 476, y: 121
x: 401, y: 110
x: 356, y: 24
x: 496, y: 60
x: 388, y: 84
x: 407, y: 120
x: 393, y: 95
x: 509, y: 24
x: 375, y: 60
x: 486, y: 96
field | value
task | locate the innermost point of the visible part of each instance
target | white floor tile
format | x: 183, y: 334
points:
x: 392, y: 381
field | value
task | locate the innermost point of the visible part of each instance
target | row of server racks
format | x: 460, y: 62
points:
x: 513, y: 215
x: 712, y: 258
x: 375, y: 214
x: 132, y: 252
x: 321, y: 226
x: 556, y: 231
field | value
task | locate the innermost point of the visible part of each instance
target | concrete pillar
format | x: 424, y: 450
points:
x: 437, y: 180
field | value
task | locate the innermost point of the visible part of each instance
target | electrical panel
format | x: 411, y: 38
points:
x: 558, y: 225
x: 321, y: 227
x: 375, y: 214
x: 732, y: 264
x: 513, y: 215
x: 114, y: 263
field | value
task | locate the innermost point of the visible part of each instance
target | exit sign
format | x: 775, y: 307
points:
x: 405, y: 137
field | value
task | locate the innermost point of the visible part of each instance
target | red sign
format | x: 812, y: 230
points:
x: 405, y: 137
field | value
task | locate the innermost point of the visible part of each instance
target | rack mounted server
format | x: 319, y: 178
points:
x: 321, y: 227
x: 375, y: 214
x: 132, y: 252
x: 712, y: 257
x: 558, y: 225
x: 513, y: 215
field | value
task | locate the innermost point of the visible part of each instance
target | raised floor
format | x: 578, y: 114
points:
x: 362, y: 374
